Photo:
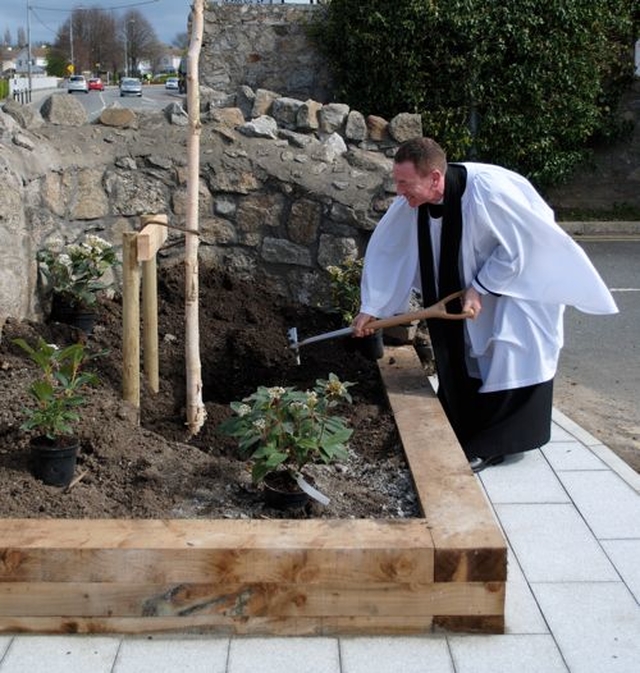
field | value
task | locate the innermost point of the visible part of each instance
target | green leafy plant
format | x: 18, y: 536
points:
x: 345, y: 287
x: 75, y: 271
x: 285, y: 428
x: 57, y: 393
x: 536, y: 82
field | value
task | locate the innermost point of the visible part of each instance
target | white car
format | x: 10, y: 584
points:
x: 78, y: 83
x: 172, y: 83
x: 130, y: 86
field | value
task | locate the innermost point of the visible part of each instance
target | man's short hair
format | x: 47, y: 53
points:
x: 424, y: 153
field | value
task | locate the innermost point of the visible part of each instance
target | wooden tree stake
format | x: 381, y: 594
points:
x: 149, y: 241
x: 130, y: 320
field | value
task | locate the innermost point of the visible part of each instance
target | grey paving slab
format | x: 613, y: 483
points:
x: 169, y: 655
x: 521, y: 612
x: 625, y: 556
x: 60, y: 654
x: 559, y: 434
x: 596, y: 625
x: 617, y: 465
x: 508, y: 654
x: 608, y: 504
x: 284, y: 655
x: 528, y: 479
x: 4, y: 645
x: 572, y: 456
x: 553, y: 544
x: 563, y: 426
x: 396, y: 655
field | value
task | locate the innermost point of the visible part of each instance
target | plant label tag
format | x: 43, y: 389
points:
x: 310, y: 491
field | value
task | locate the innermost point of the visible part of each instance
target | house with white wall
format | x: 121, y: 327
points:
x: 38, y: 60
x: 170, y: 60
x: 7, y: 61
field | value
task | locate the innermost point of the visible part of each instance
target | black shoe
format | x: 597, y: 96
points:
x: 478, y: 464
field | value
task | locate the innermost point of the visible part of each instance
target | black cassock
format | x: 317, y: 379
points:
x: 486, y: 424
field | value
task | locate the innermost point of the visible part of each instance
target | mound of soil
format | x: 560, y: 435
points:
x: 152, y: 469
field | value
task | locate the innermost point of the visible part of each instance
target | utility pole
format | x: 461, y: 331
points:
x: 73, y: 65
x: 131, y: 42
x: 29, y: 47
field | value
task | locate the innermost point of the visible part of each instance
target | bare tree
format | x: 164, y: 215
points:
x: 7, y: 38
x: 181, y: 41
x: 88, y: 38
x: 22, y: 37
x: 140, y: 40
x: 99, y: 34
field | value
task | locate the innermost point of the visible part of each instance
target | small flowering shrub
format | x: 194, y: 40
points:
x: 75, y: 271
x: 285, y: 428
x: 345, y: 287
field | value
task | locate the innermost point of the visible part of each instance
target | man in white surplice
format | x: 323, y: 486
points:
x: 485, y: 230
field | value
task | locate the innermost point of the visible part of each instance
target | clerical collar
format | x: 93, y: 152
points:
x: 435, y: 210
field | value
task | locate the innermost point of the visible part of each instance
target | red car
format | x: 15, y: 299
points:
x: 96, y: 84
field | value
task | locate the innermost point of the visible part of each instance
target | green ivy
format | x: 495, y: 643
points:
x: 528, y: 84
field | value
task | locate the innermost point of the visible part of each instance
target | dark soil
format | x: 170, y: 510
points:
x: 153, y: 470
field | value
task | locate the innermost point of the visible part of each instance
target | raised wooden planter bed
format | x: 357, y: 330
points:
x: 293, y: 577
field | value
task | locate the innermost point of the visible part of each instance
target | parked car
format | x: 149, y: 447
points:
x: 172, y: 83
x: 96, y: 84
x: 77, y: 83
x: 130, y: 86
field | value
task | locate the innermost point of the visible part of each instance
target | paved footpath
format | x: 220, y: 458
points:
x: 571, y: 515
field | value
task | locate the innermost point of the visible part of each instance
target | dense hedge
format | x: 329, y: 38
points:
x: 526, y: 83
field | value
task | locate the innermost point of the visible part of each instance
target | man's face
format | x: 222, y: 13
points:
x: 417, y: 188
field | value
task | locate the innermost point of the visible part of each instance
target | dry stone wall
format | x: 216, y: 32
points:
x: 287, y: 186
x: 263, y: 46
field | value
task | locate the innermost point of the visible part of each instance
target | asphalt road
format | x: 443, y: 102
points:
x: 154, y: 98
x: 598, y: 383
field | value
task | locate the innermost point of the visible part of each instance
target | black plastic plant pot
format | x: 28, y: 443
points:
x: 54, y: 462
x: 281, y: 491
x: 80, y: 317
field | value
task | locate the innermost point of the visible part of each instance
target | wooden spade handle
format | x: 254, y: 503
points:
x: 437, y: 310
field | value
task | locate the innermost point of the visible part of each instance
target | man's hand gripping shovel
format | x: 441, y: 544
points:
x: 437, y: 310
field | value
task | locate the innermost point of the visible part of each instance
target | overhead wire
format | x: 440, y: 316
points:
x: 73, y: 9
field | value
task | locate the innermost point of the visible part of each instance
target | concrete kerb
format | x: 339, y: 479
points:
x: 579, y: 229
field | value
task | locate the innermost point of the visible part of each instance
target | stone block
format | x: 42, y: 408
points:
x: 332, y: 117
x: 64, y: 111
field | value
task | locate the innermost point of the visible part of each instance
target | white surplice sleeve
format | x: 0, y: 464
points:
x: 391, y: 268
x: 528, y: 256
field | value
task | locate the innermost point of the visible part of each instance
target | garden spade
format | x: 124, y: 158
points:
x: 437, y: 310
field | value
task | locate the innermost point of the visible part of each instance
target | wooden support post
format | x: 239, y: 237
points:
x: 149, y: 241
x: 150, y: 324
x: 130, y: 319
